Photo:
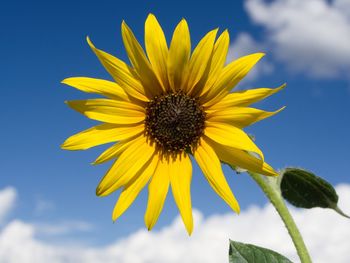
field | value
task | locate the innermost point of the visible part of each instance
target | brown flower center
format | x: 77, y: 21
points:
x: 175, y: 122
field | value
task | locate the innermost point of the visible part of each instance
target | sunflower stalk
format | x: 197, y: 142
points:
x: 272, y: 191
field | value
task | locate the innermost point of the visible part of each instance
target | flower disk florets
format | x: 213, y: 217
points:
x: 175, y: 122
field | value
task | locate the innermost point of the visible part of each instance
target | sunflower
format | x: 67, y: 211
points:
x: 169, y: 105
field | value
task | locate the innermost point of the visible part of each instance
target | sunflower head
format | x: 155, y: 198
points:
x: 170, y: 103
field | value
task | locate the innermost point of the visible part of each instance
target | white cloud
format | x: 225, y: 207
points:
x: 343, y: 5
x: 311, y: 37
x: 325, y: 232
x: 62, y: 228
x: 244, y: 45
x: 7, y: 201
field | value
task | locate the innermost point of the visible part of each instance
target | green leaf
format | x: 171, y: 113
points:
x: 304, y: 189
x: 247, y: 253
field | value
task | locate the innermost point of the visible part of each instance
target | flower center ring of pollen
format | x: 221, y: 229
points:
x: 175, y: 122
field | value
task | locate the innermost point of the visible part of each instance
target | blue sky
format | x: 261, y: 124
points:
x: 44, y: 42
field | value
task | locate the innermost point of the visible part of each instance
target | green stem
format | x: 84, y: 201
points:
x: 272, y: 191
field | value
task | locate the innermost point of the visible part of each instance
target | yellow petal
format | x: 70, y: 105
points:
x: 157, y: 49
x: 240, y: 116
x: 140, y: 62
x: 157, y: 192
x: 98, y: 86
x: 113, y: 151
x: 244, y: 98
x: 110, y: 111
x: 101, y: 134
x: 126, y: 166
x: 122, y: 74
x: 180, y: 179
x: 132, y: 189
x: 179, y: 54
x: 231, y: 136
x: 211, y: 168
x: 200, y: 60
x: 230, y: 76
x: 218, y: 59
x: 241, y: 159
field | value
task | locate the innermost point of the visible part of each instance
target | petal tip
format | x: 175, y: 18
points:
x: 99, y: 191
x: 71, y: 105
x: 151, y: 16
x: 283, y: 85
x: 235, y: 207
x: 115, y: 216
x: 65, y: 81
x: 189, y: 229
x: 281, y: 109
x: 238, y: 211
x: 124, y: 26
x: 149, y: 225
x: 66, y: 145
x: 255, y: 56
x: 183, y: 22
x: 148, y: 222
x: 88, y: 40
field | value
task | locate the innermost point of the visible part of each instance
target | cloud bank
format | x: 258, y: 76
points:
x: 7, y: 201
x: 308, y: 37
x: 325, y: 232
